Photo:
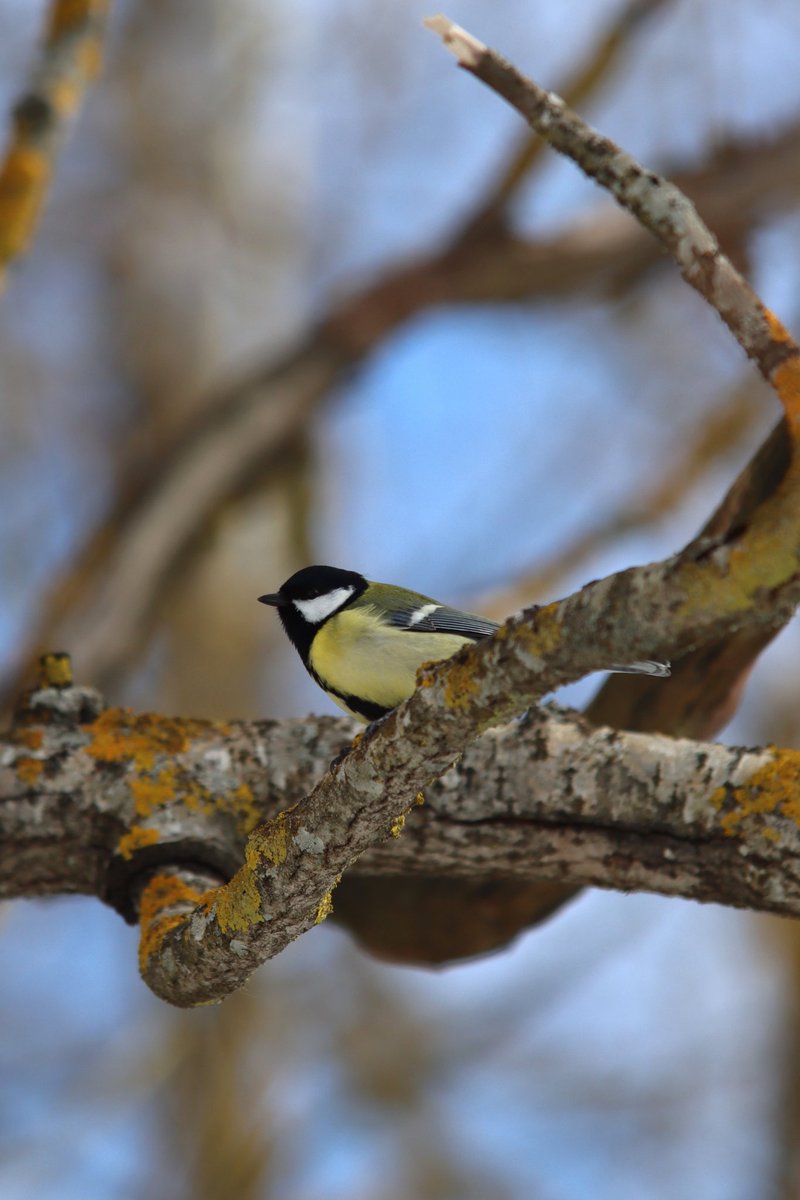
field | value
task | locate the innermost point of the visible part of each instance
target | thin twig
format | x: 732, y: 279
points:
x: 576, y: 90
x: 656, y: 203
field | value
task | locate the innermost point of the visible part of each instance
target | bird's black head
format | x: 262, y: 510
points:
x: 312, y: 595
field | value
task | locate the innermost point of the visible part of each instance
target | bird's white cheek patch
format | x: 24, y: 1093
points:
x: 320, y: 607
x: 421, y: 613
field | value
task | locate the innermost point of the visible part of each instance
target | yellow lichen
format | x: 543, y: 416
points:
x: 242, y: 803
x: 546, y: 635
x: 772, y: 790
x: 324, y: 908
x: 117, y: 735
x: 55, y: 670
x: 397, y: 825
x: 162, y: 891
x: 136, y: 839
x: 460, y: 686
x: 237, y: 904
x: 269, y: 842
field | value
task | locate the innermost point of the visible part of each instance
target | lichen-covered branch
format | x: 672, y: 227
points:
x: 153, y: 811
x: 657, y: 204
x: 69, y: 59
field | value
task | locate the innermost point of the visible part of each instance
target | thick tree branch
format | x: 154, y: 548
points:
x: 70, y: 58
x: 97, y: 801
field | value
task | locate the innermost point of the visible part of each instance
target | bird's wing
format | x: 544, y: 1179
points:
x: 431, y: 617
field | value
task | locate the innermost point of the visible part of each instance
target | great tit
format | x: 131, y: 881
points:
x: 364, y: 642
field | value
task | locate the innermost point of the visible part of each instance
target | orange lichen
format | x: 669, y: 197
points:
x: 149, y: 745
x: 162, y: 892
x: 781, y: 779
x: 119, y: 734
x: 777, y: 330
x: 66, y: 14
x: 785, y: 378
x: 786, y: 381
x: 426, y: 674
x: 149, y: 793
x: 65, y: 95
x: 29, y: 770
x: 24, y: 177
x: 772, y: 790
x: 136, y: 839
x: 30, y: 737
x: 72, y: 55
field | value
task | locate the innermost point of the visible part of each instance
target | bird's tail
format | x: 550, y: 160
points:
x: 659, y: 669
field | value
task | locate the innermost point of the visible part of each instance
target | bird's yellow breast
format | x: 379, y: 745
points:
x: 356, y: 654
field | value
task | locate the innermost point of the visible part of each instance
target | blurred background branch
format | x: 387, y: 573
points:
x: 69, y: 59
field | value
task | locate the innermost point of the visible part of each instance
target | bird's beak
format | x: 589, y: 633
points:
x: 273, y: 598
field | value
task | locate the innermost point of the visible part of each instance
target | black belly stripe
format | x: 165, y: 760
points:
x: 364, y: 708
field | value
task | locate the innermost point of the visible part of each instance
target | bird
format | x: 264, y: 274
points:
x: 363, y: 642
